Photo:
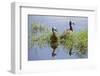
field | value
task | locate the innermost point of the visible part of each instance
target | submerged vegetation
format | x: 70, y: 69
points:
x: 40, y: 35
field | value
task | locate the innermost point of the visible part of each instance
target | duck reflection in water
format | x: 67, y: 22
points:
x: 54, y: 41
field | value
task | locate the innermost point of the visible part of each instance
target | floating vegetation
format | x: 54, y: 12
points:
x: 76, y: 40
x: 81, y: 41
x: 68, y: 41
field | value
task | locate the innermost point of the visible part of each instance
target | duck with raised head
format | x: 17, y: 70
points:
x: 54, y: 41
x: 71, y: 30
x: 66, y: 33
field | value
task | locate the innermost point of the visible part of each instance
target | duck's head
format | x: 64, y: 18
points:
x: 70, y: 25
x: 54, y: 29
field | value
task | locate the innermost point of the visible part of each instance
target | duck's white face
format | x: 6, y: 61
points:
x: 54, y: 29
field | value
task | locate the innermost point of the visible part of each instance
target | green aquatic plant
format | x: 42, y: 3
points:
x: 81, y: 43
x: 44, y: 39
x: 76, y: 40
x: 36, y: 27
x: 40, y: 35
x: 68, y: 41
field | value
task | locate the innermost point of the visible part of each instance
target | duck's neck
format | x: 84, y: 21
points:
x: 54, y: 33
x: 71, y: 28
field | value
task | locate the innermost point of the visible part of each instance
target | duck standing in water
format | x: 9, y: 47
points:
x: 68, y: 32
x: 54, y: 41
x: 71, y: 30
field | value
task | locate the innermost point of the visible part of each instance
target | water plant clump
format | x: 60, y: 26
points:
x: 82, y: 41
x: 40, y: 35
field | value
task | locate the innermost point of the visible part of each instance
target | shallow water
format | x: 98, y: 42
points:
x: 45, y: 53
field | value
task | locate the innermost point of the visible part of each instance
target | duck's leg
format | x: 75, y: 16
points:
x: 53, y: 53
